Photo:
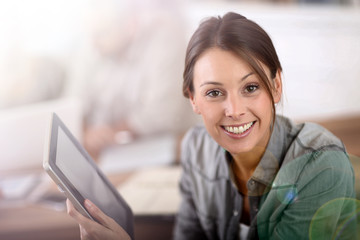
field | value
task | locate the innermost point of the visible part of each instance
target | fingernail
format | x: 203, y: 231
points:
x: 88, y: 204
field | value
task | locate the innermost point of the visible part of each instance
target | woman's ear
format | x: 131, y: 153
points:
x: 193, y: 103
x: 278, y: 87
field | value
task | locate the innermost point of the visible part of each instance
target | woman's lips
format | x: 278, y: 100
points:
x: 239, y: 130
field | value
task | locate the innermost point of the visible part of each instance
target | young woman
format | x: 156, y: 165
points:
x: 249, y: 173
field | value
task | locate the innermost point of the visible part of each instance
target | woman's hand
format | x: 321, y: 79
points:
x: 91, y: 230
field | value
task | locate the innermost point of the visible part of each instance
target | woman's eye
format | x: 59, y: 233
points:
x: 214, y: 93
x: 251, y: 88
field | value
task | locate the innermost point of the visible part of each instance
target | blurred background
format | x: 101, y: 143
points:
x: 52, y: 49
x: 112, y: 70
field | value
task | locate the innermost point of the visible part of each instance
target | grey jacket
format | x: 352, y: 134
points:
x: 302, y: 188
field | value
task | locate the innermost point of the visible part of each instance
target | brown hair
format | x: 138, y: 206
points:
x: 233, y: 32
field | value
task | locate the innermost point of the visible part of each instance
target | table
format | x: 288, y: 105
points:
x: 38, y: 222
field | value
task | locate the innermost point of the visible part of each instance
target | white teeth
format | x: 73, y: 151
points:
x: 236, y: 130
x: 239, y: 130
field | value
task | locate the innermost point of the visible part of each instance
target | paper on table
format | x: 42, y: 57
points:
x: 142, y: 153
x: 153, y: 191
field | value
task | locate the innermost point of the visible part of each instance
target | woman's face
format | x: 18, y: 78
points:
x: 234, y: 104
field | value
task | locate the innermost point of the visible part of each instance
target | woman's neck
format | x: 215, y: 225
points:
x: 244, y: 165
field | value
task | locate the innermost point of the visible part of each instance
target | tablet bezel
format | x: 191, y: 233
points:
x: 62, y: 181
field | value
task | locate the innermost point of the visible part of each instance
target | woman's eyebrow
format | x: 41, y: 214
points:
x: 220, y: 84
x: 246, y: 76
x: 211, y: 83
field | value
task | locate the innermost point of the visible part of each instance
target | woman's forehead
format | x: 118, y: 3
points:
x: 216, y: 62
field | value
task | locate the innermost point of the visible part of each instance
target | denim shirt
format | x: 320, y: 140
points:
x: 302, y: 188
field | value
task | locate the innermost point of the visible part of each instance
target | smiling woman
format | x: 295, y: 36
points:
x: 249, y: 173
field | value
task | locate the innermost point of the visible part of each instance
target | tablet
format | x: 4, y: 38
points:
x: 77, y: 175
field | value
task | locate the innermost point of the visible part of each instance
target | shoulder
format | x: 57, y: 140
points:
x: 316, y: 137
x: 307, y: 135
x: 201, y: 153
x: 319, y: 148
x: 314, y: 155
x: 306, y: 139
x: 197, y: 136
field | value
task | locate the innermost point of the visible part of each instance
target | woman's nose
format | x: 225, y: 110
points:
x: 234, y: 107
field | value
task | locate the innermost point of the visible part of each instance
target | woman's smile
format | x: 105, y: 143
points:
x: 238, y: 131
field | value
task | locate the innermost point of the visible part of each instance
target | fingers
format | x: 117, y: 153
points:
x: 74, y: 213
x: 113, y: 229
x: 91, y: 230
x: 94, y: 211
x: 99, y: 215
x: 83, y: 233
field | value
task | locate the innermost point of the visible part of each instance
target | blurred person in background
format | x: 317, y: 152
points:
x: 130, y: 80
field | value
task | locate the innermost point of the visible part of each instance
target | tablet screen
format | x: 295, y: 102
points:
x: 77, y: 169
x: 83, y: 178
